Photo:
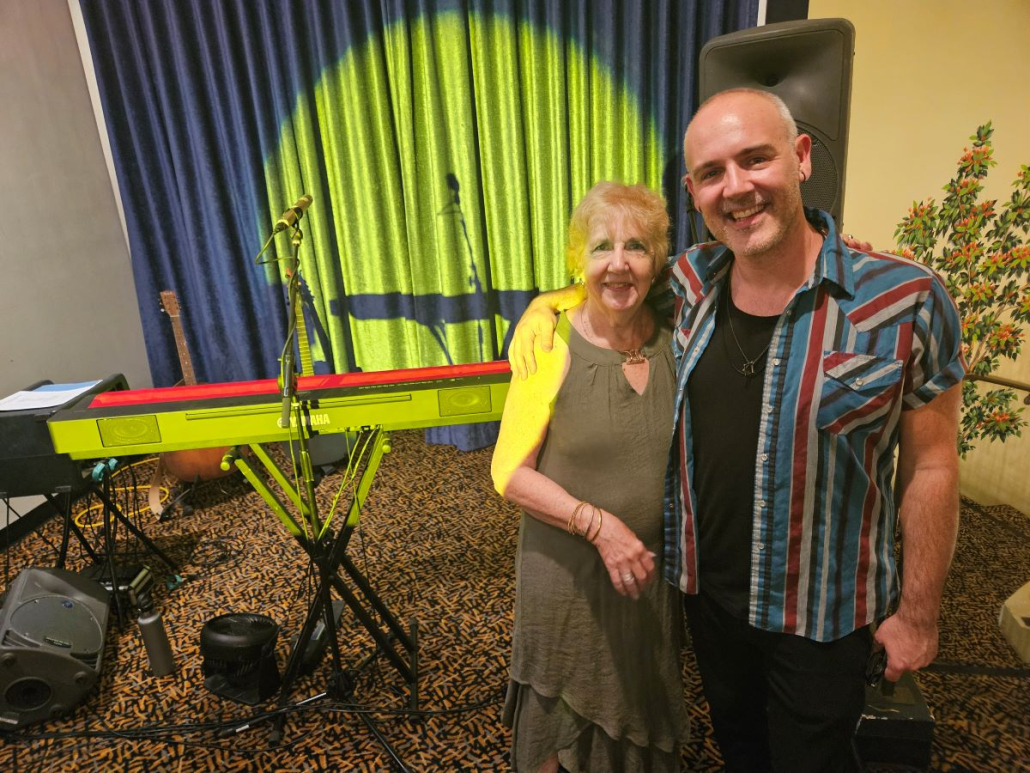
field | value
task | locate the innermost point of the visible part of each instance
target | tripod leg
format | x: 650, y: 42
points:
x: 377, y: 603
x: 370, y: 625
x: 413, y: 633
x: 69, y: 526
x: 297, y: 655
x: 109, y: 553
x: 340, y: 682
x: 374, y: 729
x: 109, y: 503
x: 66, y: 512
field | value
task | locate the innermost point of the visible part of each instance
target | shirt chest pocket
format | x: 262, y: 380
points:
x: 858, y: 390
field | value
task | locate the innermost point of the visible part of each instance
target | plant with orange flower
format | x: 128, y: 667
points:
x: 982, y: 253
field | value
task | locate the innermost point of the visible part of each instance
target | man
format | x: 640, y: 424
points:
x: 802, y: 367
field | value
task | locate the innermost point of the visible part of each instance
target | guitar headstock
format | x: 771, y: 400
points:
x: 169, y: 303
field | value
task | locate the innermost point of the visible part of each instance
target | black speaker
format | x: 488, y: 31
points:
x: 807, y: 64
x: 52, y: 630
x: 896, y: 726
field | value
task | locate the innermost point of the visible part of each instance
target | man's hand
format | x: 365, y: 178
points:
x: 855, y: 244
x: 910, y: 644
x: 539, y: 321
x: 536, y: 322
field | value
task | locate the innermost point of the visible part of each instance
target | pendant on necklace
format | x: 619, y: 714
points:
x: 632, y: 357
x: 748, y: 370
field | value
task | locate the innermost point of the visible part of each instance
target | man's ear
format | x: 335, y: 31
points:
x: 803, y: 150
x: 688, y: 185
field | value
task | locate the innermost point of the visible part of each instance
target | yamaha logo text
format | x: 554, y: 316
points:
x: 312, y: 420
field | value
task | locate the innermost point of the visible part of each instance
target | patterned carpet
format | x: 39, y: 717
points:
x: 438, y: 544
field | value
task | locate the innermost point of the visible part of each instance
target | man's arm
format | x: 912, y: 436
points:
x: 539, y: 321
x: 928, y: 511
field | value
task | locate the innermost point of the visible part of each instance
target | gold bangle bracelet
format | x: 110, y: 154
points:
x: 590, y: 523
x: 571, y: 527
x: 600, y: 522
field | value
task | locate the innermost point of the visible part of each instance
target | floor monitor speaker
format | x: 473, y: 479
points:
x: 52, y: 629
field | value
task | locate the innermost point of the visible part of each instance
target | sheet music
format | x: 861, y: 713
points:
x: 47, y: 396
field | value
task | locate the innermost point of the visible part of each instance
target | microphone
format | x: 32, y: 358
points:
x: 293, y: 214
x: 452, y: 183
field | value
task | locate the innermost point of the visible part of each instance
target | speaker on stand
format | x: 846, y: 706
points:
x: 807, y: 64
x: 52, y: 630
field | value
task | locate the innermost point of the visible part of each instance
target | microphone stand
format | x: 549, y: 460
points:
x: 288, y: 371
x: 323, y: 551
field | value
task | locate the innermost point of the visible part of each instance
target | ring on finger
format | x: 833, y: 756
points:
x: 627, y: 578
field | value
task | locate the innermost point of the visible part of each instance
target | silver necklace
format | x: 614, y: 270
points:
x: 748, y: 369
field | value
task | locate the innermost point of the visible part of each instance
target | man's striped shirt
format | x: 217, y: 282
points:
x: 867, y: 336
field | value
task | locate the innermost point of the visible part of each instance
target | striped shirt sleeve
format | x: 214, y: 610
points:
x: 936, y: 363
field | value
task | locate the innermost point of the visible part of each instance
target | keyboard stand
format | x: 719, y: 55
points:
x: 328, y: 553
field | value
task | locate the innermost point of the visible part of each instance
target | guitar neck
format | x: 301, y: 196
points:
x: 188, y: 376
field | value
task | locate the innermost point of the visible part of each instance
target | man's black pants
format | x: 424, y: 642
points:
x: 778, y: 702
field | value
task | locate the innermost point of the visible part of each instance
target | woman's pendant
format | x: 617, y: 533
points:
x: 632, y: 357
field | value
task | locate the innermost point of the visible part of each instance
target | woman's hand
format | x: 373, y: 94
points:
x: 628, y: 561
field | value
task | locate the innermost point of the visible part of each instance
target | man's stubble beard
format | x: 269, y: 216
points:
x: 783, y: 213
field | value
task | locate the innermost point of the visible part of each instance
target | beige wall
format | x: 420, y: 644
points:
x: 68, y: 307
x: 926, y: 74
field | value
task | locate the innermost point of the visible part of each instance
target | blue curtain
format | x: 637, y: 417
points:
x: 444, y: 143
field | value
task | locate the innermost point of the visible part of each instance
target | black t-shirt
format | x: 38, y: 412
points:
x: 725, y: 414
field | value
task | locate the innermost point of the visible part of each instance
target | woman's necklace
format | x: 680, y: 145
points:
x: 632, y: 356
x: 629, y: 356
x: 748, y: 369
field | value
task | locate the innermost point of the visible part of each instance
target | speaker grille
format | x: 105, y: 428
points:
x: 807, y: 64
x: 52, y: 629
x: 28, y: 694
x: 462, y: 401
x: 129, y: 431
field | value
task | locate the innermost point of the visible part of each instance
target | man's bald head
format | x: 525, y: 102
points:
x: 737, y: 95
x: 745, y: 163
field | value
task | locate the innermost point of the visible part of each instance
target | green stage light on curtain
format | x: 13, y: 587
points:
x: 444, y: 158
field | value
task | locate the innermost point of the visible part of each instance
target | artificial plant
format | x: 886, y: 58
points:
x: 982, y: 253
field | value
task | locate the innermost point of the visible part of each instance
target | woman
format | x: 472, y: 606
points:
x: 595, y: 673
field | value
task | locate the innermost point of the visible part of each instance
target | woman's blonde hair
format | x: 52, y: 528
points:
x: 638, y: 204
